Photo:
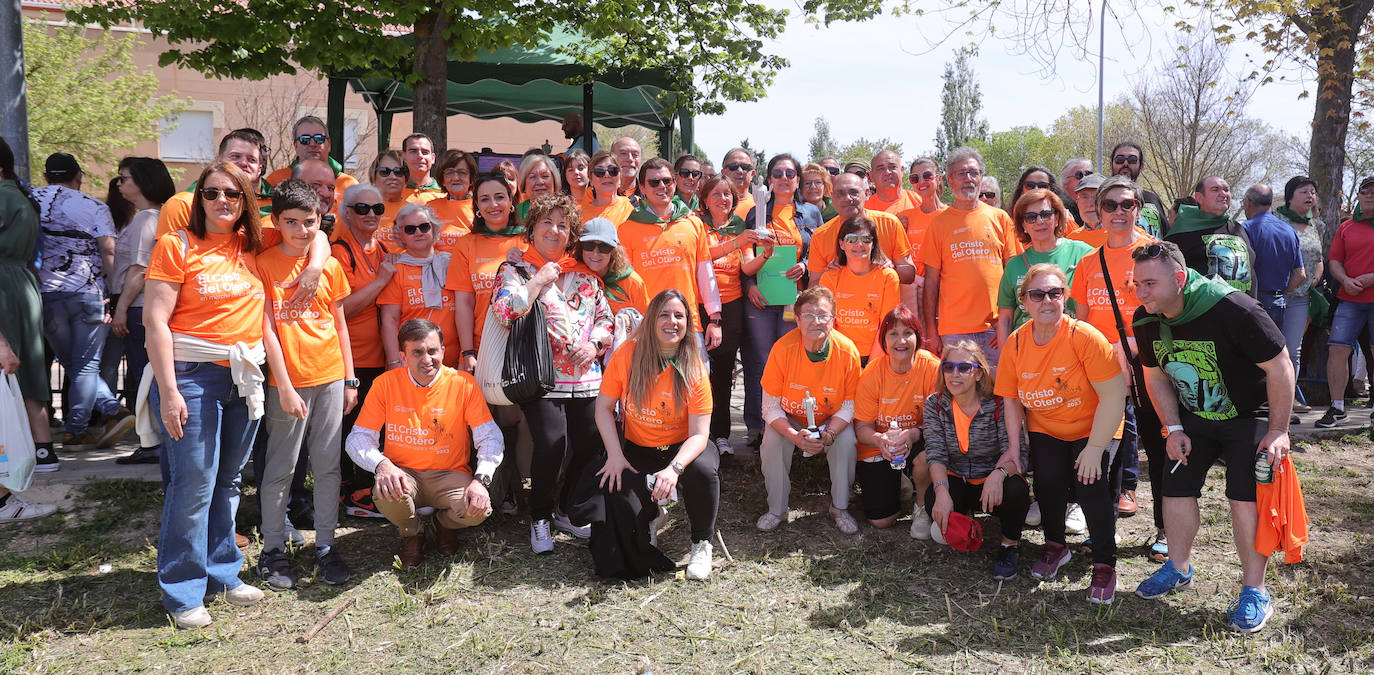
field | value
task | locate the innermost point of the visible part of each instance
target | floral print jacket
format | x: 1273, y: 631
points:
x: 575, y: 311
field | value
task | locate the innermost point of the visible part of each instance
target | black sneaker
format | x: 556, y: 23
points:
x: 332, y: 568
x: 1004, y: 566
x: 275, y: 568
x: 45, y: 460
x: 1331, y: 418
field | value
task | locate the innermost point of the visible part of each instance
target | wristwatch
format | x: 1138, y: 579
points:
x: 353, y: 382
x: 1170, y: 429
x: 715, y: 321
x: 677, y: 467
x: 484, y: 479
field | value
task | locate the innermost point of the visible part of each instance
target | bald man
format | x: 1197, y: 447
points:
x: 886, y: 175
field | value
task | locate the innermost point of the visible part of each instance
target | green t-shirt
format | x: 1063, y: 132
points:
x: 1066, y: 255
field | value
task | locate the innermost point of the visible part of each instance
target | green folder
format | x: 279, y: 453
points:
x: 776, y: 288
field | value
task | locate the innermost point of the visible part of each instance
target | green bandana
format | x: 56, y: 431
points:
x: 430, y: 185
x: 1194, y: 219
x: 1200, y: 294
x: 1359, y: 217
x: 1292, y: 215
x: 613, y: 290
x: 644, y: 214
x: 823, y: 354
x: 732, y: 228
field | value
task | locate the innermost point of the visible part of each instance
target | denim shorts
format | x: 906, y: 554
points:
x: 1350, y: 318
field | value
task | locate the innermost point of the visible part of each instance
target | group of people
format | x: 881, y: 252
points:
x: 1007, y: 361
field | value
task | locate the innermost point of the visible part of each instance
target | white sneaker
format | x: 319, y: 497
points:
x: 937, y: 536
x: 654, y: 524
x: 541, y: 539
x: 699, y: 565
x: 562, y: 524
x: 195, y: 617
x: 920, y: 524
x: 17, y: 508
x: 723, y: 446
x: 769, y: 521
x: 1074, y: 522
x: 243, y: 595
x: 1033, y: 515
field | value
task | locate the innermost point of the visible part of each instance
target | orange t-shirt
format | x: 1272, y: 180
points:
x: 666, y: 256
x: 309, y: 338
x: 861, y: 302
x: 790, y: 373
x: 963, y: 423
x: 905, y: 201
x: 894, y: 401
x: 405, y: 289
x: 727, y: 269
x: 617, y: 211
x: 784, y: 226
x: 892, y: 240
x: 426, y: 428
x: 1054, y: 382
x: 455, y: 220
x: 746, y: 202
x: 221, y: 298
x: 916, y: 223
x: 472, y: 269
x: 342, y: 181
x: 1095, y: 238
x: 631, y: 293
x: 969, y: 248
x: 360, y: 267
x: 663, y: 421
x: 385, y: 232
x: 425, y: 196
x: 1089, y: 289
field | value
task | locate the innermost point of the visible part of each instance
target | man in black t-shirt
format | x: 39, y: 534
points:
x: 1211, y: 356
x: 1212, y: 243
x: 1128, y: 160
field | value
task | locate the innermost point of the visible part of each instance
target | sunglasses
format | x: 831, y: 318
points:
x: 212, y: 194
x: 307, y: 139
x: 418, y: 227
x: 1126, y: 159
x: 385, y: 171
x: 658, y: 182
x: 988, y: 195
x: 597, y: 246
x: 964, y: 367
x: 1148, y: 252
x: 738, y: 167
x: 1035, y: 216
x: 603, y: 171
x: 832, y: 170
x: 920, y: 177
x: 1110, y: 206
x: 1040, y: 295
x: 1080, y: 174
x: 362, y: 209
x: 859, y: 172
x: 686, y: 173
x: 784, y: 173
x: 857, y: 238
x: 1035, y: 185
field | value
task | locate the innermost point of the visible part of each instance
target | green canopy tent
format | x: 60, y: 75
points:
x: 527, y: 85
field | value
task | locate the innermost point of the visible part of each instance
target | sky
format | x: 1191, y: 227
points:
x: 882, y: 78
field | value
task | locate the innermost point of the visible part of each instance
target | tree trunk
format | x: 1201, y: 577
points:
x: 431, y: 64
x: 1336, y: 35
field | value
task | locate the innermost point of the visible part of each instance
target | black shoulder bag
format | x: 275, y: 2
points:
x: 527, y: 374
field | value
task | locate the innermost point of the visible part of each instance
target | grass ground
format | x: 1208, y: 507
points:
x: 802, y: 598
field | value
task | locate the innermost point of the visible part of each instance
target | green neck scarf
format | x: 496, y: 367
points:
x: 644, y: 214
x: 613, y: 289
x: 1200, y: 294
x: 1360, y: 217
x: 430, y: 185
x: 1292, y: 215
x: 512, y: 228
x: 1194, y: 219
x: 731, y: 228
x: 823, y: 354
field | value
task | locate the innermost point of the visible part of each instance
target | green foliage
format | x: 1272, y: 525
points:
x: 960, y: 103
x: 822, y: 143
x: 1007, y: 153
x: 88, y: 96
x: 863, y: 149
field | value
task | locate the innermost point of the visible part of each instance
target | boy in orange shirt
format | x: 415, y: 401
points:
x: 315, y: 350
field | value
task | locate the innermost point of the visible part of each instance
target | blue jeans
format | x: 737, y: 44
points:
x: 1349, y: 319
x: 1294, y: 326
x: 196, y: 554
x: 134, y: 349
x: 73, y: 324
x: 1274, y: 306
x: 762, y: 327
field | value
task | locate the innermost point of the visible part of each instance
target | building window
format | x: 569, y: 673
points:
x: 189, y: 137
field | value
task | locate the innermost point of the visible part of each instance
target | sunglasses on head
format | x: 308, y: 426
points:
x: 307, y: 139
x: 1039, y: 295
x: 603, y: 171
x: 362, y: 209
x: 1080, y: 174
x: 597, y: 246
x: 418, y: 227
x: 1035, y: 216
x: 1035, y: 185
x: 1126, y: 159
x: 832, y: 170
x: 212, y: 194
x: 857, y: 238
x: 687, y: 173
x: 1110, y: 206
x: 964, y: 367
x: 1148, y: 252
x: 658, y: 182
x: 784, y: 173
x: 736, y: 166
x: 385, y: 171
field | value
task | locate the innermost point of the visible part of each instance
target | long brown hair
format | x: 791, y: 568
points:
x: 646, y: 363
x: 249, y: 223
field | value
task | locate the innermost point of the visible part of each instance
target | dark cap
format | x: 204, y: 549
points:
x: 1366, y: 181
x: 61, y: 167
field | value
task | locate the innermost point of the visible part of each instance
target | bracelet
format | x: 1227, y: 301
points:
x: 1003, y: 469
x: 469, y: 352
x: 942, y: 484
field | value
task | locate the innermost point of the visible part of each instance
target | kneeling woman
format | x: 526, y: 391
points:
x: 1060, y: 376
x: 970, y: 463
x: 659, y: 379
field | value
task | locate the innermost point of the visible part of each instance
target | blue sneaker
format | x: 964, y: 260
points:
x: 1161, y: 582
x: 1250, y: 611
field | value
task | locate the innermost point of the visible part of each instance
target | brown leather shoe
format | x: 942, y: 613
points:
x: 446, y: 539
x: 241, y: 541
x: 1126, y: 506
x: 413, y: 550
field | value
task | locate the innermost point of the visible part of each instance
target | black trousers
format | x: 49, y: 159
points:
x: 967, y: 499
x: 351, y: 477
x: 563, y: 433
x: 723, y: 364
x: 698, y: 487
x: 1055, y: 478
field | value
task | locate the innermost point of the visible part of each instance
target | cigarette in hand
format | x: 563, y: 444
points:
x: 1176, y: 465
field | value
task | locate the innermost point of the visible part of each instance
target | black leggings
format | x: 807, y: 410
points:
x: 563, y: 431
x: 967, y: 498
x: 353, y: 478
x: 698, y: 487
x: 1148, y: 428
x: 723, y: 364
x: 1054, y: 478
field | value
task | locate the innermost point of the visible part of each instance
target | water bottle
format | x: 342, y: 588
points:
x: 652, y: 480
x: 1264, y: 473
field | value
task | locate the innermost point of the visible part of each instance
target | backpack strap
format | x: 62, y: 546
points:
x: 1132, y: 359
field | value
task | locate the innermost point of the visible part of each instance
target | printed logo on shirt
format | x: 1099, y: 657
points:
x: 1228, y: 259
x: 1193, y: 368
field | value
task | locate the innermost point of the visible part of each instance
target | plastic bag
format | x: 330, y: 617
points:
x: 528, y: 372
x: 16, y: 439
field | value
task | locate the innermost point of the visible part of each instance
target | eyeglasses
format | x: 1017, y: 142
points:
x: 212, y: 194
x: 988, y: 195
x: 385, y: 171
x: 307, y: 139
x: 418, y: 227
x: 685, y: 173
x: 964, y: 367
x: 832, y: 170
x: 1080, y: 174
x: 597, y: 246
x: 968, y: 173
x: 857, y: 238
x: 1036, y: 216
x: 116, y: 181
x: 738, y: 166
x: 1126, y: 159
x: 816, y: 318
x: 784, y: 173
x: 1035, y: 185
x: 921, y: 177
x: 658, y: 182
x: 813, y: 183
x: 603, y: 171
x: 1367, y: 192
x: 859, y: 172
x: 362, y: 209
x: 1148, y: 252
x: 1039, y: 295
x: 1110, y: 206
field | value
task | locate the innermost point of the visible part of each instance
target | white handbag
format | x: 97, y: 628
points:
x: 491, y: 355
x: 16, y: 439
